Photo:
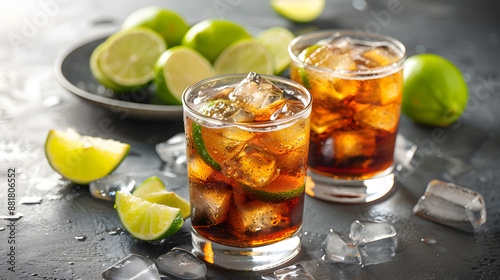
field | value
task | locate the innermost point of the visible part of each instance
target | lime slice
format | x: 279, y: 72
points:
x: 434, y: 91
x: 281, y: 189
x: 129, y: 56
x: 245, y: 56
x: 168, y: 24
x: 97, y: 72
x: 303, y: 55
x: 210, y: 37
x: 153, y: 190
x: 145, y: 220
x: 299, y: 10
x: 83, y: 159
x: 277, y: 39
x: 176, y: 69
x: 201, y: 149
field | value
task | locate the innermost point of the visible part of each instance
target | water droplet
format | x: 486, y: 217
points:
x: 52, y: 101
x: 2, y: 228
x: 115, y: 231
x: 428, y: 241
x: 81, y: 238
x: 14, y: 217
x: 71, y: 263
x: 30, y: 200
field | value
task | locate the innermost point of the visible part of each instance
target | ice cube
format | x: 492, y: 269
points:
x: 452, y: 205
x: 259, y: 217
x: 252, y: 167
x: 172, y: 149
x: 181, y: 264
x: 376, y: 242
x: 380, y: 117
x: 331, y: 120
x: 381, y: 91
x: 332, y: 57
x: 293, y: 272
x: 340, y: 249
x: 379, y: 56
x: 210, y: 205
x: 257, y: 95
x: 403, y: 153
x: 225, y: 142
x: 353, y: 143
x: 106, y: 188
x: 132, y: 267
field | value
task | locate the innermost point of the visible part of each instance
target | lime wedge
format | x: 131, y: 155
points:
x: 176, y: 69
x: 299, y: 10
x: 153, y: 190
x: 145, y: 220
x: 201, y: 149
x: 129, y: 56
x: 277, y: 39
x: 83, y: 159
x: 247, y: 55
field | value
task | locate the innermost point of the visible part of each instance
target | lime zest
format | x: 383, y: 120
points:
x: 201, y: 149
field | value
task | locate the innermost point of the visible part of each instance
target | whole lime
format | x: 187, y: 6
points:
x: 210, y: 37
x: 434, y: 92
x: 168, y: 24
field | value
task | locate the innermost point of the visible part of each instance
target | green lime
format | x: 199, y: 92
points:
x: 201, y: 149
x: 170, y: 25
x: 97, y: 72
x: 303, y: 55
x: 282, y: 189
x: 145, y: 220
x: 277, y: 39
x: 154, y: 191
x: 129, y: 56
x: 299, y: 10
x: 434, y: 92
x: 210, y: 37
x: 176, y: 69
x: 247, y: 55
x: 83, y: 159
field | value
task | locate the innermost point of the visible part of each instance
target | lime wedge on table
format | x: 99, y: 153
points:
x: 168, y: 24
x: 277, y: 39
x: 128, y: 57
x: 176, y: 69
x: 83, y: 159
x: 153, y: 190
x: 145, y: 220
x: 245, y: 56
x: 299, y: 10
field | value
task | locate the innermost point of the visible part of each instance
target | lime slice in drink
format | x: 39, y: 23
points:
x: 281, y: 189
x: 434, y: 92
x: 245, y: 56
x: 299, y: 10
x: 145, y: 220
x: 168, y: 24
x: 277, y: 39
x: 153, y: 190
x: 83, y: 159
x: 129, y: 56
x: 176, y: 69
x: 210, y: 37
x: 201, y: 149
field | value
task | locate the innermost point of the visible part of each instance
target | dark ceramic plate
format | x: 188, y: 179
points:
x: 73, y: 73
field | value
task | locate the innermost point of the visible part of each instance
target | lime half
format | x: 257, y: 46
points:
x: 277, y: 39
x: 245, y: 56
x: 83, y: 159
x: 178, y: 68
x: 99, y: 75
x: 129, y: 56
x: 299, y: 10
x: 145, y: 220
x: 153, y: 190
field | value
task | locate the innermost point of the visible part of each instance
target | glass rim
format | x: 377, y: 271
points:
x: 350, y: 74
x: 302, y: 114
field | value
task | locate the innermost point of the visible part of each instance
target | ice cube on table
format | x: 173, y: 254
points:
x: 106, y: 188
x: 340, y: 249
x: 376, y: 241
x: 452, y: 205
x: 181, y: 264
x: 132, y: 267
x: 403, y: 152
x: 172, y: 149
x: 293, y: 272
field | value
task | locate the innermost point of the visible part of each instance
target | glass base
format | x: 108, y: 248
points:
x: 350, y: 191
x: 253, y: 258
